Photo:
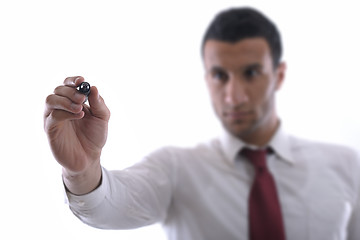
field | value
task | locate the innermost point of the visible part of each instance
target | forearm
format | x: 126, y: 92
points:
x: 84, y: 182
x: 130, y: 198
x: 119, y: 203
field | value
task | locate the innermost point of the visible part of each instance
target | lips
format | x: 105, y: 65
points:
x: 237, y: 115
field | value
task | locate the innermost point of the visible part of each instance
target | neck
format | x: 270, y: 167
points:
x: 263, y: 134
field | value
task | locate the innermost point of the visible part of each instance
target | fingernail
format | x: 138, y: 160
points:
x: 76, y: 79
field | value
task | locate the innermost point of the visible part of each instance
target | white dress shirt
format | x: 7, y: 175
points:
x: 201, y: 193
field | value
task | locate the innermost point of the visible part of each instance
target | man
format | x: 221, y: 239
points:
x: 221, y: 189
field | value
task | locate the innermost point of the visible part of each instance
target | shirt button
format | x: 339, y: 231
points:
x: 81, y: 203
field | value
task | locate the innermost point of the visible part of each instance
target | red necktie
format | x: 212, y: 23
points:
x: 265, y: 217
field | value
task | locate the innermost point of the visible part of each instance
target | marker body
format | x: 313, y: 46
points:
x: 84, y: 88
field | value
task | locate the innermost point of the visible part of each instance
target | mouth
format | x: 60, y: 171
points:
x: 237, y: 115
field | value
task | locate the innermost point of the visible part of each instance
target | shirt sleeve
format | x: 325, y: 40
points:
x: 354, y: 225
x: 130, y: 198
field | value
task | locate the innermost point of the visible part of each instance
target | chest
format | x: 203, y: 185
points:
x: 316, y: 202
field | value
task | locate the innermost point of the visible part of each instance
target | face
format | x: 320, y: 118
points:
x: 242, y: 82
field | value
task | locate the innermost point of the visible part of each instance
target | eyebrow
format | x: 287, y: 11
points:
x: 245, y: 67
x: 216, y: 69
x: 252, y: 65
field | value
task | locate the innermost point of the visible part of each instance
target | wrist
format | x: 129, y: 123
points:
x: 84, y: 182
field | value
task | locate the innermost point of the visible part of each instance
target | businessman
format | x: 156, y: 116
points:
x: 255, y: 181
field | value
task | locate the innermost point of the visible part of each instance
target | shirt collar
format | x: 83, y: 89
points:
x: 280, y: 144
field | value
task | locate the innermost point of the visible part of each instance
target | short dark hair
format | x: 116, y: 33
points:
x: 235, y: 24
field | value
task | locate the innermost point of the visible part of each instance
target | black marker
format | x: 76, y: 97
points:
x: 84, y: 88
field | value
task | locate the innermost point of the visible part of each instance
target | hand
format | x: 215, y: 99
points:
x: 76, y: 132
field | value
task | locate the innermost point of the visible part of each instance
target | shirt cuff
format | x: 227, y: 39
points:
x: 89, y: 200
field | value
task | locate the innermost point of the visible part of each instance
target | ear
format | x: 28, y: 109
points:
x: 280, y: 75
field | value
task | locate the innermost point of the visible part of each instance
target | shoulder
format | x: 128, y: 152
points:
x: 319, y: 149
x: 326, y: 160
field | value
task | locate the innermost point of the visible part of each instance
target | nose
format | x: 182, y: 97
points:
x: 235, y: 92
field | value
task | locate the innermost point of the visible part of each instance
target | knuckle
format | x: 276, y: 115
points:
x: 47, y: 120
x: 57, y: 89
x: 48, y: 99
x: 68, y: 79
x: 71, y: 80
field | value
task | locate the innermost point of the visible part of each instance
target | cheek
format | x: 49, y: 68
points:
x: 267, y: 101
x: 262, y: 95
x: 216, y: 99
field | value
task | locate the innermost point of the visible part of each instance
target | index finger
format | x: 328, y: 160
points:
x: 73, y: 81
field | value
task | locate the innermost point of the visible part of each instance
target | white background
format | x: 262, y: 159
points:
x: 144, y: 57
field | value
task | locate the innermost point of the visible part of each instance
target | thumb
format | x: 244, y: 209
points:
x: 97, y: 104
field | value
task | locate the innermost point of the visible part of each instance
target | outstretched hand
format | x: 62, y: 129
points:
x: 76, y: 132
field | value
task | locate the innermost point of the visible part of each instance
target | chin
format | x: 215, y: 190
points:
x: 238, y: 130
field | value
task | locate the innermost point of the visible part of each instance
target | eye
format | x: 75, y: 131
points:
x: 219, y: 75
x: 251, y: 72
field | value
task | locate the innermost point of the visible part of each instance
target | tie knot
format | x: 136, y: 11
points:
x: 256, y: 157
